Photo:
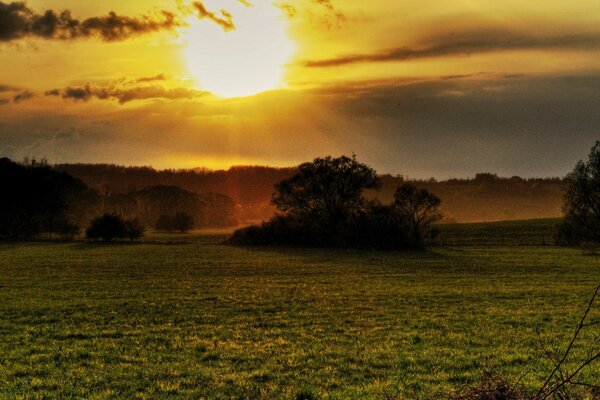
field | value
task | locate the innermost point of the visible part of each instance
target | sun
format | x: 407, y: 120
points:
x: 242, y: 62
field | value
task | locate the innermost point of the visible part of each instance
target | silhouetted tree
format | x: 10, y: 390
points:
x: 107, y: 227
x: 183, y: 222
x: 582, y: 203
x: 37, y: 199
x: 324, y: 205
x: 328, y: 190
x: 419, y: 209
x: 134, y: 229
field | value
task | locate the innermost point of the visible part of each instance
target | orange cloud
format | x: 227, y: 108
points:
x: 225, y: 21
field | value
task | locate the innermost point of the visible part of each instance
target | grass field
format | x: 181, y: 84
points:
x: 186, y: 317
x: 537, y: 232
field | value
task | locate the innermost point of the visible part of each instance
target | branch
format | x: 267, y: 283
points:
x: 568, y: 351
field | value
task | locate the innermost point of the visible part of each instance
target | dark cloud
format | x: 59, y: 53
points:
x: 453, y: 127
x: 23, y: 96
x: 159, y: 77
x: 225, y: 21
x: 124, y: 94
x: 4, y: 102
x: 18, y: 21
x: 7, y: 88
x: 469, y: 43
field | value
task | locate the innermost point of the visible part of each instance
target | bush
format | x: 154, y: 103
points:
x: 107, y: 227
x: 134, y: 229
x: 378, y: 227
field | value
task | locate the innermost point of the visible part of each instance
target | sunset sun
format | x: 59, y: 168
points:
x: 241, y: 59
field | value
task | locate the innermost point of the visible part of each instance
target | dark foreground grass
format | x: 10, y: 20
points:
x: 536, y: 232
x: 195, y: 319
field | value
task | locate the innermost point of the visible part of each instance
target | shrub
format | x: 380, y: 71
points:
x: 107, y: 227
x: 134, y: 229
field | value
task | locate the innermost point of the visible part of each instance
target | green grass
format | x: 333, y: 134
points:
x: 190, y: 318
x: 536, y: 232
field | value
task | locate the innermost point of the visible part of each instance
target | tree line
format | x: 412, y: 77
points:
x: 327, y: 202
x: 39, y: 200
x: 485, y: 197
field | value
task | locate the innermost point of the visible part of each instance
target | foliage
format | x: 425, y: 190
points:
x: 207, y: 209
x: 325, y: 206
x: 180, y: 222
x: 111, y: 226
x: 107, y: 227
x: 37, y: 199
x: 329, y: 190
x: 419, y: 209
x: 582, y: 203
x: 486, y: 197
x: 134, y: 229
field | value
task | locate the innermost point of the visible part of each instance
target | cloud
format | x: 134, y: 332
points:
x: 18, y: 21
x: 124, y: 94
x: 7, y: 88
x: 4, y: 102
x: 159, y: 77
x: 289, y: 10
x: 469, y: 43
x: 334, y: 17
x: 225, y: 21
x: 23, y: 96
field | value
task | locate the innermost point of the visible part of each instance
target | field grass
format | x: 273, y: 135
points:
x: 186, y: 317
x: 537, y: 232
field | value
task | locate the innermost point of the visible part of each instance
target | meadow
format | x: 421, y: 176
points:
x: 187, y: 317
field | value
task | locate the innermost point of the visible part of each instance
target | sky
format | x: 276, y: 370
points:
x: 427, y: 88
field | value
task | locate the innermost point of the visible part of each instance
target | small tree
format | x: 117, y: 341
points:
x: 134, y: 229
x: 107, y: 227
x: 418, y: 208
x: 582, y: 203
x: 183, y: 222
x: 327, y: 190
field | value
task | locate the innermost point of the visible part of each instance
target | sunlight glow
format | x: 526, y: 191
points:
x: 244, y: 61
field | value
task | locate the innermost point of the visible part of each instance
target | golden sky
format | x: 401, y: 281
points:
x: 422, y: 88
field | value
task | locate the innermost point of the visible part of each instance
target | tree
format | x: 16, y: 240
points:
x: 183, y: 222
x: 328, y: 190
x: 134, y: 229
x: 582, y: 203
x: 419, y: 209
x: 38, y: 199
x: 107, y: 227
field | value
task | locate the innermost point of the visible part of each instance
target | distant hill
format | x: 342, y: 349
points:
x: 486, y: 197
